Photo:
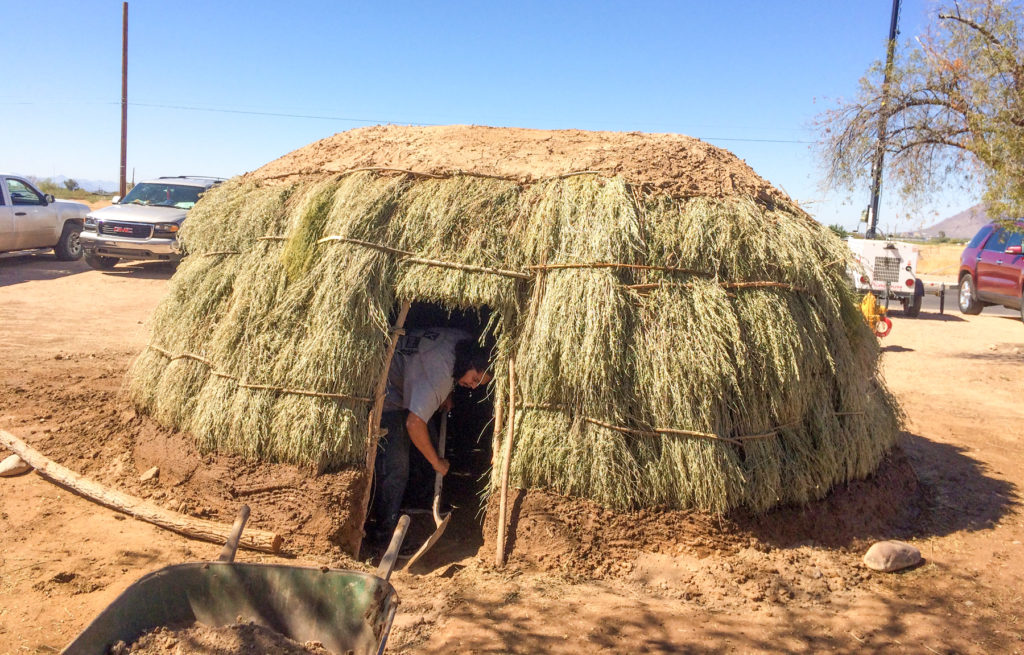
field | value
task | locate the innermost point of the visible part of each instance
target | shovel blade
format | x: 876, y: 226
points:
x: 429, y: 543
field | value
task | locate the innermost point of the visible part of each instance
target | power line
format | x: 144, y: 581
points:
x: 727, y: 138
x: 377, y: 121
x: 253, y: 112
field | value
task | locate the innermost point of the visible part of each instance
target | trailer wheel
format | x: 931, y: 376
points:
x: 912, y: 307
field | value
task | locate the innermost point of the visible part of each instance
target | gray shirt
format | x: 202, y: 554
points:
x: 420, y: 377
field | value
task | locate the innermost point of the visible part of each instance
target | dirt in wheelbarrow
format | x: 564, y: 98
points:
x: 199, y: 639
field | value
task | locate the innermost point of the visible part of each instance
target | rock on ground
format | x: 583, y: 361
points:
x: 891, y: 556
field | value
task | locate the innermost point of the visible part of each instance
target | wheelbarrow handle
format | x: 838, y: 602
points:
x: 231, y: 547
x: 387, y: 563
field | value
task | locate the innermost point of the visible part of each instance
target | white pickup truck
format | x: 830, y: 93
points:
x: 31, y: 219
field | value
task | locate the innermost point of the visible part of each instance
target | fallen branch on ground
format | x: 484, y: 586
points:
x: 266, y: 542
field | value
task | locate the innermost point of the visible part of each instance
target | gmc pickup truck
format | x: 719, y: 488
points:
x: 31, y: 219
x: 145, y: 223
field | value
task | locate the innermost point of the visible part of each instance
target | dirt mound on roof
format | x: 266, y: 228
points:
x: 675, y: 164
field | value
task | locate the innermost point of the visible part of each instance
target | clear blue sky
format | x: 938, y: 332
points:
x: 220, y: 88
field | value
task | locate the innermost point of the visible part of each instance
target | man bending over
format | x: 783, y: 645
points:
x: 427, y: 365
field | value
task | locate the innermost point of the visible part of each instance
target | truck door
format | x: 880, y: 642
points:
x: 1007, y: 269
x: 34, y: 222
x: 7, y: 236
x: 989, y: 262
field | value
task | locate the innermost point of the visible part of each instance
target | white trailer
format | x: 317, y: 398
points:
x: 888, y: 270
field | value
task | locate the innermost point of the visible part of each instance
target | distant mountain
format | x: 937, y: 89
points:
x: 91, y: 185
x: 959, y: 226
x: 94, y: 186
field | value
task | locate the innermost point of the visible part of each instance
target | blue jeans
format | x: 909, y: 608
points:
x: 391, y: 475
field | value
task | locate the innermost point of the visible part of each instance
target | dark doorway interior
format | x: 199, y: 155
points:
x: 467, y: 447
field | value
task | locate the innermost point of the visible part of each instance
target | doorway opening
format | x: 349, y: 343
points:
x: 468, y: 446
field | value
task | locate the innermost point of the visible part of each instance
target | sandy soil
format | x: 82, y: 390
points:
x: 672, y: 163
x: 198, y: 638
x: 940, y: 260
x: 579, y: 580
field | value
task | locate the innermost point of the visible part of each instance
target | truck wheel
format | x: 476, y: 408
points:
x: 100, y: 263
x: 912, y: 307
x: 967, y: 299
x: 69, y: 247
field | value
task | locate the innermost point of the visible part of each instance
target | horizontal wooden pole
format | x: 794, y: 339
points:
x: 266, y: 542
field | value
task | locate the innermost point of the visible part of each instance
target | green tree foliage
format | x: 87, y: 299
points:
x: 839, y: 230
x: 71, y: 185
x: 954, y: 115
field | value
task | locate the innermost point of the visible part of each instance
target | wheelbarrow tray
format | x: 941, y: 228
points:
x: 346, y: 611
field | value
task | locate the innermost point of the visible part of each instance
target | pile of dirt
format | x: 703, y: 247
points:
x: 722, y: 560
x: 675, y: 164
x: 199, y: 639
x: 79, y: 418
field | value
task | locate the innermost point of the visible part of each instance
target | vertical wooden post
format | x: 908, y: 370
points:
x: 499, y: 556
x: 123, y: 183
x: 499, y: 420
x: 373, y: 424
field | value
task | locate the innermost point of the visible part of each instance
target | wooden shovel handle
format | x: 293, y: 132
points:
x: 231, y: 547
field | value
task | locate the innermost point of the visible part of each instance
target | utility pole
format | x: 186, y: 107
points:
x: 124, y: 101
x: 883, y: 122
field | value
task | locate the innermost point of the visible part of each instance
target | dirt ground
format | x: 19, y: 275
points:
x: 647, y: 582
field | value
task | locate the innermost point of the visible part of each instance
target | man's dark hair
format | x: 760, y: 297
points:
x: 470, y: 355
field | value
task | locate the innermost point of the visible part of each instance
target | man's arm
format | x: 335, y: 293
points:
x: 417, y: 429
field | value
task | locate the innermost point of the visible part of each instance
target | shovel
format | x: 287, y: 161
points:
x: 441, y: 522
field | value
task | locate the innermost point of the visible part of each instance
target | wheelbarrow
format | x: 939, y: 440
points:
x: 346, y: 611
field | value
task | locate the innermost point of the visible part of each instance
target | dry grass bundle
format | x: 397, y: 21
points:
x: 648, y: 377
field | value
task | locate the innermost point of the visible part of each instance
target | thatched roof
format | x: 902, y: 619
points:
x: 683, y: 333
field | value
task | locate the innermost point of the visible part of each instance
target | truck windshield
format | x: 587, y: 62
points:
x: 162, y: 195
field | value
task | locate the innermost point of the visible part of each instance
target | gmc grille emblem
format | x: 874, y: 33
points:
x: 126, y: 230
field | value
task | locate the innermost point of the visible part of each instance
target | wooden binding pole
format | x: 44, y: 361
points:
x: 373, y: 427
x: 499, y: 556
x: 266, y: 542
x: 499, y: 421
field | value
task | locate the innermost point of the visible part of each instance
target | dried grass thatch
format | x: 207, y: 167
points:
x: 674, y: 349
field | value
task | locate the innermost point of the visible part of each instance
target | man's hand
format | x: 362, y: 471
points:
x: 442, y: 467
x: 420, y: 438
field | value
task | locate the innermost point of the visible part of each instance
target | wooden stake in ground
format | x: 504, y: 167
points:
x: 266, y: 542
x: 499, y: 420
x: 373, y: 427
x: 499, y: 557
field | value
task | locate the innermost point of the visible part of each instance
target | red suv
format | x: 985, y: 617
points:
x: 992, y: 269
